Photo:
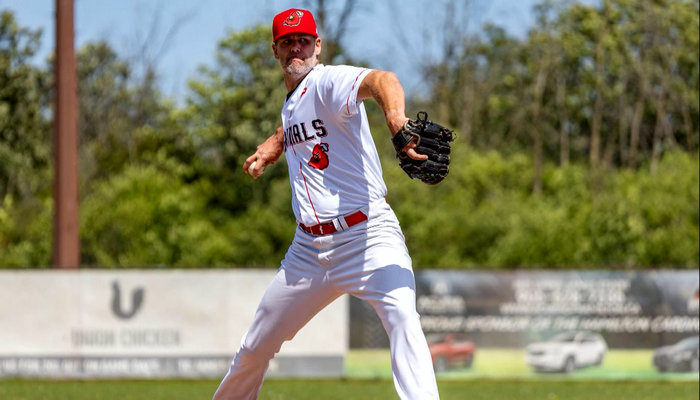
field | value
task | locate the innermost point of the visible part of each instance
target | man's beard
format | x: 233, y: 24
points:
x: 300, y: 69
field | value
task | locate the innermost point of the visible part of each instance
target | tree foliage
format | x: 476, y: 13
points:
x: 577, y: 148
x: 611, y: 85
x: 25, y: 141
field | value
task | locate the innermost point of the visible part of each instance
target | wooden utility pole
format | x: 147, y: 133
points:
x: 66, y: 238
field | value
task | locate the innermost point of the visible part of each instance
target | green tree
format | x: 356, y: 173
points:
x: 232, y: 107
x: 25, y: 141
x: 147, y: 217
x: 25, y: 149
x: 115, y: 107
x: 613, y: 84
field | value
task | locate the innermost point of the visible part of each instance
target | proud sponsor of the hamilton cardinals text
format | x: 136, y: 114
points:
x: 660, y: 324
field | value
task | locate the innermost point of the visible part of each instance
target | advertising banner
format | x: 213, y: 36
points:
x: 588, y: 324
x: 149, y: 324
x: 632, y: 309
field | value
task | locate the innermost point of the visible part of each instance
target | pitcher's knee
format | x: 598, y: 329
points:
x: 402, y: 318
x: 253, y: 355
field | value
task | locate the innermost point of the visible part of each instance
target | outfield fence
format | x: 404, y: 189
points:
x: 188, y: 324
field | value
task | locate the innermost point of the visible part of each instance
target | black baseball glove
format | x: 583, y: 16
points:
x: 432, y: 140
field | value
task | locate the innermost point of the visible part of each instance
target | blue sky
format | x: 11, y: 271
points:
x: 375, y: 34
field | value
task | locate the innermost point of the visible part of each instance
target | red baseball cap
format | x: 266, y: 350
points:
x: 294, y: 20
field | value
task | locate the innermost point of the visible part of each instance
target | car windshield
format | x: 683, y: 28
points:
x: 462, y: 339
x: 690, y: 343
x: 432, y: 339
x: 563, y: 338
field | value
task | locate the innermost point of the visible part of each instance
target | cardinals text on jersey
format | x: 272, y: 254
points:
x: 298, y: 133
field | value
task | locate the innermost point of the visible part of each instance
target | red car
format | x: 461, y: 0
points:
x: 451, y: 349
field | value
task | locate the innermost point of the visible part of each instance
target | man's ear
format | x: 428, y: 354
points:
x: 274, y: 50
x: 317, y: 50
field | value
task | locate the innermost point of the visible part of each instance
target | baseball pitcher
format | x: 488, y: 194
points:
x: 348, y: 239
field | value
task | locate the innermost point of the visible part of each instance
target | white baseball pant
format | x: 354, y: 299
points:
x: 369, y: 261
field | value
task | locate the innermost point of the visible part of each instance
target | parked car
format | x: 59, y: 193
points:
x: 566, y: 352
x: 450, y: 350
x: 681, y: 357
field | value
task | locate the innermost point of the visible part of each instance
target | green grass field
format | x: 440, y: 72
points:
x: 496, y: 374
x: 347, y: 390
x: 510, y: 364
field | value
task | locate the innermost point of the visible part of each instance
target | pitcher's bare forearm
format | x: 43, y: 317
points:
x: 384, y: 87
x: 268, y: 152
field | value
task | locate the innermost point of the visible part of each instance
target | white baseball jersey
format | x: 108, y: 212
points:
x: 333, y: 164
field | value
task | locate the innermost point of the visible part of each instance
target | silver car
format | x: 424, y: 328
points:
x: 567, y: 352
